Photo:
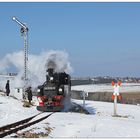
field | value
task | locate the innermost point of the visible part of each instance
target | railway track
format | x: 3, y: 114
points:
x: 14, y: 127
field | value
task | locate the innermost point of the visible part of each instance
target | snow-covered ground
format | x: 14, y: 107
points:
x: 125, y: 87
x: 100, y: 123
x: 12, y: 110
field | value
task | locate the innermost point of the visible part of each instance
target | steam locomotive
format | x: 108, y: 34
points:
x: 52, y: 93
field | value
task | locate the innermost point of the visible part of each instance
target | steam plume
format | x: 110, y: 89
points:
x: 37, y: 66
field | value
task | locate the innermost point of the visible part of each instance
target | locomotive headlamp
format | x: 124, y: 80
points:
x: 51, y: 78
x: 38, y: 90
x: 60, y: 89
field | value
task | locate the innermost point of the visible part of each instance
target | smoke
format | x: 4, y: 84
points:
x: 58, y: 61
x: 16, y: 59
x: 37, y: 66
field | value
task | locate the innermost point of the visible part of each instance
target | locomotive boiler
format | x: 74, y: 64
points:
x: 52, y: 93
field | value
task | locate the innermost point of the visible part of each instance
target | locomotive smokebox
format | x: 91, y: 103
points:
x: 50, y: 71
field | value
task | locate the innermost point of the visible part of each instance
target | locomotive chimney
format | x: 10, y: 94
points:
x: 50, y: 72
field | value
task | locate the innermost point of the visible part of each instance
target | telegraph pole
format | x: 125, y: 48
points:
x: 24, y: 32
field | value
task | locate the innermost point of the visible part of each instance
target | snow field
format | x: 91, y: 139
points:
x: 125, y: 87
x: 107, y: 126
x: 99, y: 124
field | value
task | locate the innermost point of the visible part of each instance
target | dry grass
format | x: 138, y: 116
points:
x: 31, y: 134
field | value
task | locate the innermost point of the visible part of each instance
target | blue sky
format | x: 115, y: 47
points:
x: 100, y: 38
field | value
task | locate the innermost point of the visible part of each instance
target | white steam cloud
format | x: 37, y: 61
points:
x: 37, y: 66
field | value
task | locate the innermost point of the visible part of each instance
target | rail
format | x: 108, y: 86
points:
x: 14, y: 127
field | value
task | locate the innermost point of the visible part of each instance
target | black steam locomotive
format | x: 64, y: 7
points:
x: 53, y: 92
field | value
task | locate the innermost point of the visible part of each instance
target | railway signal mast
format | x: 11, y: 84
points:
x: 24, y: 32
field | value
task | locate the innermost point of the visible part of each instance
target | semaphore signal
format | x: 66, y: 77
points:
x: 24, y: 32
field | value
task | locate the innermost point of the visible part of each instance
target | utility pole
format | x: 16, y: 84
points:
x: 24, y: 32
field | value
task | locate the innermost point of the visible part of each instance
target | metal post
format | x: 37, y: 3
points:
x: 83, y: 99
x: 115, y: 105
x: 24, y: 33
x: 25, y: 58
x: 25, y: 64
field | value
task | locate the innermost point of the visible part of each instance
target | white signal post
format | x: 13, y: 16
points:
x: 24, y: 32
x: 84, y: 95
x: 116, y: 93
